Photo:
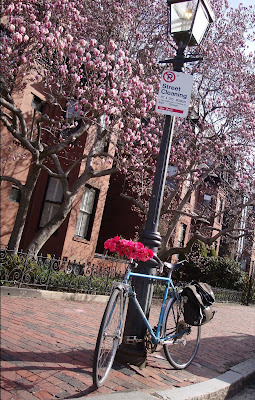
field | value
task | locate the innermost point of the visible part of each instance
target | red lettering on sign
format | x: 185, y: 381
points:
x: 170, y: 109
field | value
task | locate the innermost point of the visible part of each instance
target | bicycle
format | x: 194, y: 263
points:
x: 180, y: 340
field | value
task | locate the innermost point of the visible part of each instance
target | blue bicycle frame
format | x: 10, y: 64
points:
x: 155, y: 337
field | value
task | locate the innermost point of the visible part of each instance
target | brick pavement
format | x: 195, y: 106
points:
x: 47, y: 350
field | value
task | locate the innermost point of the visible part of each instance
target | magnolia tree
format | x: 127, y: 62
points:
x: 95, y: 64
x: 214, y: 149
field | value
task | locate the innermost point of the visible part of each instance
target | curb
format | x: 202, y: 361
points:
x: 51, y: 295
x: 55, y: 295
x: 223, y: 387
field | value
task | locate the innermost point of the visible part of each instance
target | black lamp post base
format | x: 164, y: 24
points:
x: 132, y: 354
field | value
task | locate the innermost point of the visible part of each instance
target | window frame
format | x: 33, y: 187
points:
x: 207, y: 203
x: 219, y: 210
x: 15, y: 194
x: 181, y: 236
x: 52, y: 203
x: 90, y: 215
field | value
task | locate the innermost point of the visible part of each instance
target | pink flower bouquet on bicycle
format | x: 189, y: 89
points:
x: 128, y: 248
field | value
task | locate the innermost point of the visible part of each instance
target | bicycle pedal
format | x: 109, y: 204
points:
x: 132, y: 340
x: 170, y: 341
x: 180, y: 341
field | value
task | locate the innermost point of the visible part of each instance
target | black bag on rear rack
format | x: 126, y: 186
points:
x: 198, y: 298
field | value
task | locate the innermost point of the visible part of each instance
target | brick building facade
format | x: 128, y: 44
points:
x: 98, y: 211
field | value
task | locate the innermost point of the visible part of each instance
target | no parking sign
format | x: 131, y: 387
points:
x: 174, y: 93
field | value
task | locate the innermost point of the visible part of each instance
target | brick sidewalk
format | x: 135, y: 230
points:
x: 47, y: 350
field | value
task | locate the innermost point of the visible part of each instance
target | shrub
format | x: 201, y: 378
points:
x: 248, y: 290
x: 224, y: 272
x: 204, y: 265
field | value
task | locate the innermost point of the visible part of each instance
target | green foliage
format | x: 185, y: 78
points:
x: 211, y: 252
x: 204, y: 265
x: 248, y: 290
x: 224, y: 272
x: 193, y: 268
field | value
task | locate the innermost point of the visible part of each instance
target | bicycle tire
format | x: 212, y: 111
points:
x: 183, y: 350
x: 108, y: 338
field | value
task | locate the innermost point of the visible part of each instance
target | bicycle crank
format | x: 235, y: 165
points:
x: 181, y: 329
x: 132, y: 340
x: 149, y: 345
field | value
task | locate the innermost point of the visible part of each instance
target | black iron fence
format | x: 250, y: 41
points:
x: 227, y: 295
x: 50, y: 273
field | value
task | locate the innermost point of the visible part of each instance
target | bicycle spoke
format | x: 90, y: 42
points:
x: 186, y: 340
x: 108, y: 338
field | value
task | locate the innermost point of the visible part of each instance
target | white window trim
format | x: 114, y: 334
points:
x: 85, y: 213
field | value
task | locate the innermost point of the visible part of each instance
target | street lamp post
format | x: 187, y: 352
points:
x: 189, y: 22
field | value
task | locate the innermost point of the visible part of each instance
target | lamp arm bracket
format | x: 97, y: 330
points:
x: 185, y: 60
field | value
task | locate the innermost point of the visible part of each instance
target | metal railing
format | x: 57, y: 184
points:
x: 57, y: 274
x: 50, y: 273
x: 227, y: 295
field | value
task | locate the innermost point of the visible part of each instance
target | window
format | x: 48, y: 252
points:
x: 15, y: 194
x: 37, y: 103
x: 74, y: 119
x: 53, y: 199
x: 171, y: 171
x: 207, y: 200
x: 181, y: 235
x: 103, y: 139
x: 188, y: 187
x: 87, y: 213
x: 71, y: 111
x: 219, y: 210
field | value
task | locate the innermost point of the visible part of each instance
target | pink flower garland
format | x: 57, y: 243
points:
x: 128, y: 248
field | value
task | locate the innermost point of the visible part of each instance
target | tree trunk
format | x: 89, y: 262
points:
x: 26, y: 194
x: 45, y: 232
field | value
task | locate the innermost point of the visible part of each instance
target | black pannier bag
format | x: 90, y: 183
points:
x: 198, y: 298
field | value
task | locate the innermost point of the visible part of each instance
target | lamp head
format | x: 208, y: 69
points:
x: 189, y: 20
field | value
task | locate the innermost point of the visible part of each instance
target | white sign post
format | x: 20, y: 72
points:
x: 174, y: 94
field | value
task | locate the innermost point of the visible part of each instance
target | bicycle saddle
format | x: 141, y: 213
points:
x: 174, y: 267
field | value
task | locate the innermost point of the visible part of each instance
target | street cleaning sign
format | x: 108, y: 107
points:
x: 174, y: 93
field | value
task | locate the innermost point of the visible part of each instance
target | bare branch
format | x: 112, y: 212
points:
x: 16, y: 182
x: 24, y: 142
x: 105, y: 172
x: 137, y: 203
x: 48, y: 150
x: 17, y: 112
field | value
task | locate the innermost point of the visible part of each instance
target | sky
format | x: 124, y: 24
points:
x: 246, y: 3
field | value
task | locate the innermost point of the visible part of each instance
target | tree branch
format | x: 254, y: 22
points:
x: 105, y: 172
x: 137, y: 203
x: 24, y: 142
x: 16, y: 112
x: 16, y: 182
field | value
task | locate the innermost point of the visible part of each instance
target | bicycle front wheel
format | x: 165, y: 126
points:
x: 108, y: 338
x: 181, y: 352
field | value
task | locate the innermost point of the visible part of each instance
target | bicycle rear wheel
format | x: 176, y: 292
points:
x: 184, y: 348
x: 108, y: 338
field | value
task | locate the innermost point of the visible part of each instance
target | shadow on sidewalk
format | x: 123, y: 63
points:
x: 215, y: 356
x: 75, y: 360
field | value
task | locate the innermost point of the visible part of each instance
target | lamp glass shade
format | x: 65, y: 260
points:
x: 182, y: 15
x: 190, y: 20
x: 201, y: 23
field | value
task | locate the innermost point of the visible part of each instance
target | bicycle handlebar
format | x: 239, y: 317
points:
x: 162, y: 264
